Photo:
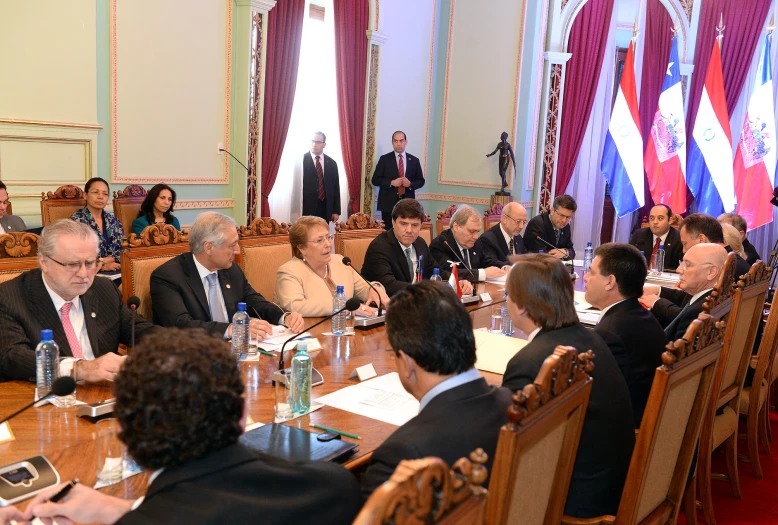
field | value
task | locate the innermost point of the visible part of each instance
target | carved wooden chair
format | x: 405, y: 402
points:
x: 659, y: 468
x: 427, y: 491
x: 353, y: 237
x: 493, y: 215
x: 426, y: 229
x: 144, y: 253
x: 61, y: 203
x: 536, y: 450
x: 444, y: 219
x: 752, y: 399
x: 264, y: 246
x: 18, y: 253
x: 9, y: 209
x: 126, y: 204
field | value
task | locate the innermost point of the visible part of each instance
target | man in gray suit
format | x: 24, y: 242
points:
x: 8, y: 223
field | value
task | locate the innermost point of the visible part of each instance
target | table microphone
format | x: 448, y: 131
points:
x: 460, y: 260
x: 62, y: 386
x: 133, y: 302
x: 351, y: 305
x: 347, y: 262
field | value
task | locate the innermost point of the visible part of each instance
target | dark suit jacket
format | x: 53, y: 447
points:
x: 385, y: 172
x: 178, y: 297
x: 643, y: 240
x: 607, y: 437
x: 235, y: 485
x: 741, y: 266
x: 26, y: 309
x: 677, y: 327
x: 442, y: 254
x: 495, y: 246
x: 669, y: 305
x: 751, y: 254
x: 385, y: 262
x: 311, y: 186
x: 438, y: 430
x: 636, y: 340
x: 12, y: 223
x: 541, y: 225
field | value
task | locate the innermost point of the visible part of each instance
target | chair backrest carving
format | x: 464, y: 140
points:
x: 9, y: 209
x: 426, y: 229
x: 14, y: 245
x: 536, y: 449
x: 353, y: 237
x: 492, y: 215
x: 427, y: 491
x: 126, y: 204
x: 61, y: 203
x: 264, y: 246
x: 444, y: 219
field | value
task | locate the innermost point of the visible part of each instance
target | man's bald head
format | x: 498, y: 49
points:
x: 514, y: 218
x: 702, y: 264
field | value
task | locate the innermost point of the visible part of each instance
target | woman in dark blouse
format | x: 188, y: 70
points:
x: 157, y: 208
x: 109, y: 229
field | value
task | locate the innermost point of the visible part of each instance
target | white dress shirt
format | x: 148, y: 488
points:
x: 699, y: 295
x: 532, y: 334
x: 321, y: 160
x: 204, y: 273
x: 604, y: 310
x: 654, y: 238
x: 452, y: 382
x: 79, y: 327
x: 2, y: 230
x: 139, y: 501
x: 414, y: 259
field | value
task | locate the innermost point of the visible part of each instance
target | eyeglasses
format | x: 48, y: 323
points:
x: 520, y: 222
x: 565, y: 217
x: 99, y: 193
x: 322, y: 240
x: 688, y: 265
x: 73, y: 267
x: 317, y: 142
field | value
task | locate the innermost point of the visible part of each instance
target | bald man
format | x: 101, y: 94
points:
x: 503, y: 240
x: 699, y: 271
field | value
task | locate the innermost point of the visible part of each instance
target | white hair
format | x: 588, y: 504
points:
x: 463, y: 214
x: 51, y: 234
x: 209, y: 227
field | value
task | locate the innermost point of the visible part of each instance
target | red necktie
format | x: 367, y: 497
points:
x: 656, y: 245
x: 401, y: 169
x: 320, y: 175
x: 70, y: 333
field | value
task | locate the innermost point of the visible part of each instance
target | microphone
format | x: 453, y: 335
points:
x: 62, y: 386
x: 133, y: 302
x: 544, y: 241
x: 351, y: 305
x: 347, y: 262
x: 460, y: 260
x: 244, y: 167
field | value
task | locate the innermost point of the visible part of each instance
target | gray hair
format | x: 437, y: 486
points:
x: 463, y: 214
x: 209, y: 227
x: 51, y: 234
x: 735, y: 220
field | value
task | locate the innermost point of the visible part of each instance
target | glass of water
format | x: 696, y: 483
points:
x: 497, y: 320
x: 69, y: 400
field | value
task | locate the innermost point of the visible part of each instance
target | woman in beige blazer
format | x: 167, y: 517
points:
x: 307, y: 283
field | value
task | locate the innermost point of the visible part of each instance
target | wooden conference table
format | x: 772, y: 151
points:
x: 68, y: 441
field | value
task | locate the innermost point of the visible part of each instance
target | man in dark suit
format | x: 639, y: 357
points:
x: 614, y: 283
x: 460, y: 245
x: 87, y: 315
x: 540, y: 302
x: 432, y: 339
x: 321, y: 182
x: 394, y: 257
x: 699, y: 228
x: 503, y: 240
x: 201, y: 474
x: 202, y: 288
x: 741, y: 226
x: 397, y: 175
x: 647, y: 240
x: 8, y: 223
x: 553, y: 227
x: 675, y: 309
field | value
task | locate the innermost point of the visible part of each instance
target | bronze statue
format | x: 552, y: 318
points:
x: 505, y: 150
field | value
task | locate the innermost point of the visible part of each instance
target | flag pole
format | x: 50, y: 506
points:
x: 720, y: 30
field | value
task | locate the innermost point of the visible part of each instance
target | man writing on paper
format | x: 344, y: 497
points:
x: 503, y: 240
x: 432, y: 340
x: 202, y: 288
x: 553, y: 227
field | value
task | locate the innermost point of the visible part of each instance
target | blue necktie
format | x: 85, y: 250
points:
x: 217, y: 312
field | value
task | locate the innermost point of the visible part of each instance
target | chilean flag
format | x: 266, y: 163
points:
x: 622, y: 159
x: 665, y: 158
x: 755, y: 156
x: 709, y: 173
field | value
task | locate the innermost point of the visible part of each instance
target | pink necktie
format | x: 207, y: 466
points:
x: 75, y: 347
x: 401, y: 169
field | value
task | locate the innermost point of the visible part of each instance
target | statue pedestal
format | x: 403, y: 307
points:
x: 502, y: 197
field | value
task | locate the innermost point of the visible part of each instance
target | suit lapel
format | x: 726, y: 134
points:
x: 194, y: 282
x: 230, y: 299
x: 43, y: 310
x: 550, y: 230
x: 88, y: 303
x: 399, y: 255
x: 501, y: 240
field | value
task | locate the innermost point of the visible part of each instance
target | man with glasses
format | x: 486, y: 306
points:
x: 202, y: 288
x: 87, y: 315
x: 550, y: 231
x: 321, y: 182
x: 397, y: 175
x: 503, y: 240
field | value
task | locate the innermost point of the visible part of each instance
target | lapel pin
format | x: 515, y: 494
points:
x: 228, y: 286
x: 473, y: 253
x: 94, y: 315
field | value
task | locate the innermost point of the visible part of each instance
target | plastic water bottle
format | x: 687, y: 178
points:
x: 339, y: 321
x: 436, y: 275
x: 588, y: 256
x: 659, y: 260
x: 240, y: 332
x: 507, y: 323
x: 301, y: 379
x: 47, y: 363
x: 541, y: 251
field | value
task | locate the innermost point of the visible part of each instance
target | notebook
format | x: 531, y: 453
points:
x: 296, y: 445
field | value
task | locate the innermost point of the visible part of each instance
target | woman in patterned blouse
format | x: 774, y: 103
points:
x: 109, y: 229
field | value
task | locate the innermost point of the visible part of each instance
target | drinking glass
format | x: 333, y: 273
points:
x: 496, y: 326
x: 110, y: 451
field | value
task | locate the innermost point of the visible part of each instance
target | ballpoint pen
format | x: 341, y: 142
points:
x: 61, y: 493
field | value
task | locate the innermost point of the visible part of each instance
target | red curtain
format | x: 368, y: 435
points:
x: 351, y: 22
x: 284, y: 35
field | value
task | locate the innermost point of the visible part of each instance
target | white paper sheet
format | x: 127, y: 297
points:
x: 590, y: 317
x: 493, y: 351
x: 498, y: 280
x: 351, y: 399
x: 580, y: 301
x: 5, y: 433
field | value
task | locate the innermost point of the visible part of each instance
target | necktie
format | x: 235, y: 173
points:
x: 656, y: 245
x: 70, y: 333
x: 512, y: 247
x: 401, y: 169
x: 320, y: 175
x: 410, y: 262
x: 670, y: 330
x: 465, y: 258
x: 217, y: 313
x: 558, y: 234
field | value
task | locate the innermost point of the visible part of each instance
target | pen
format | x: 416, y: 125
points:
x: 328, y: 429
x: 61, y: 493
x: 265, y: 352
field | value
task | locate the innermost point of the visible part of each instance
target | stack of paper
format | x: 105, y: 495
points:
x: 493, y: 351
x: 280, y: 335
x: 382, y: 398
x: 589, y: 317
x: 663, y: 279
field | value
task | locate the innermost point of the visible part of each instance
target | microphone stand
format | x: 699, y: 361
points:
x: 460, y: 260
x: 347, y: 262
x: 244, y: 167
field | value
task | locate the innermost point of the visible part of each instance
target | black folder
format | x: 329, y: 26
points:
x: 296, y: 445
